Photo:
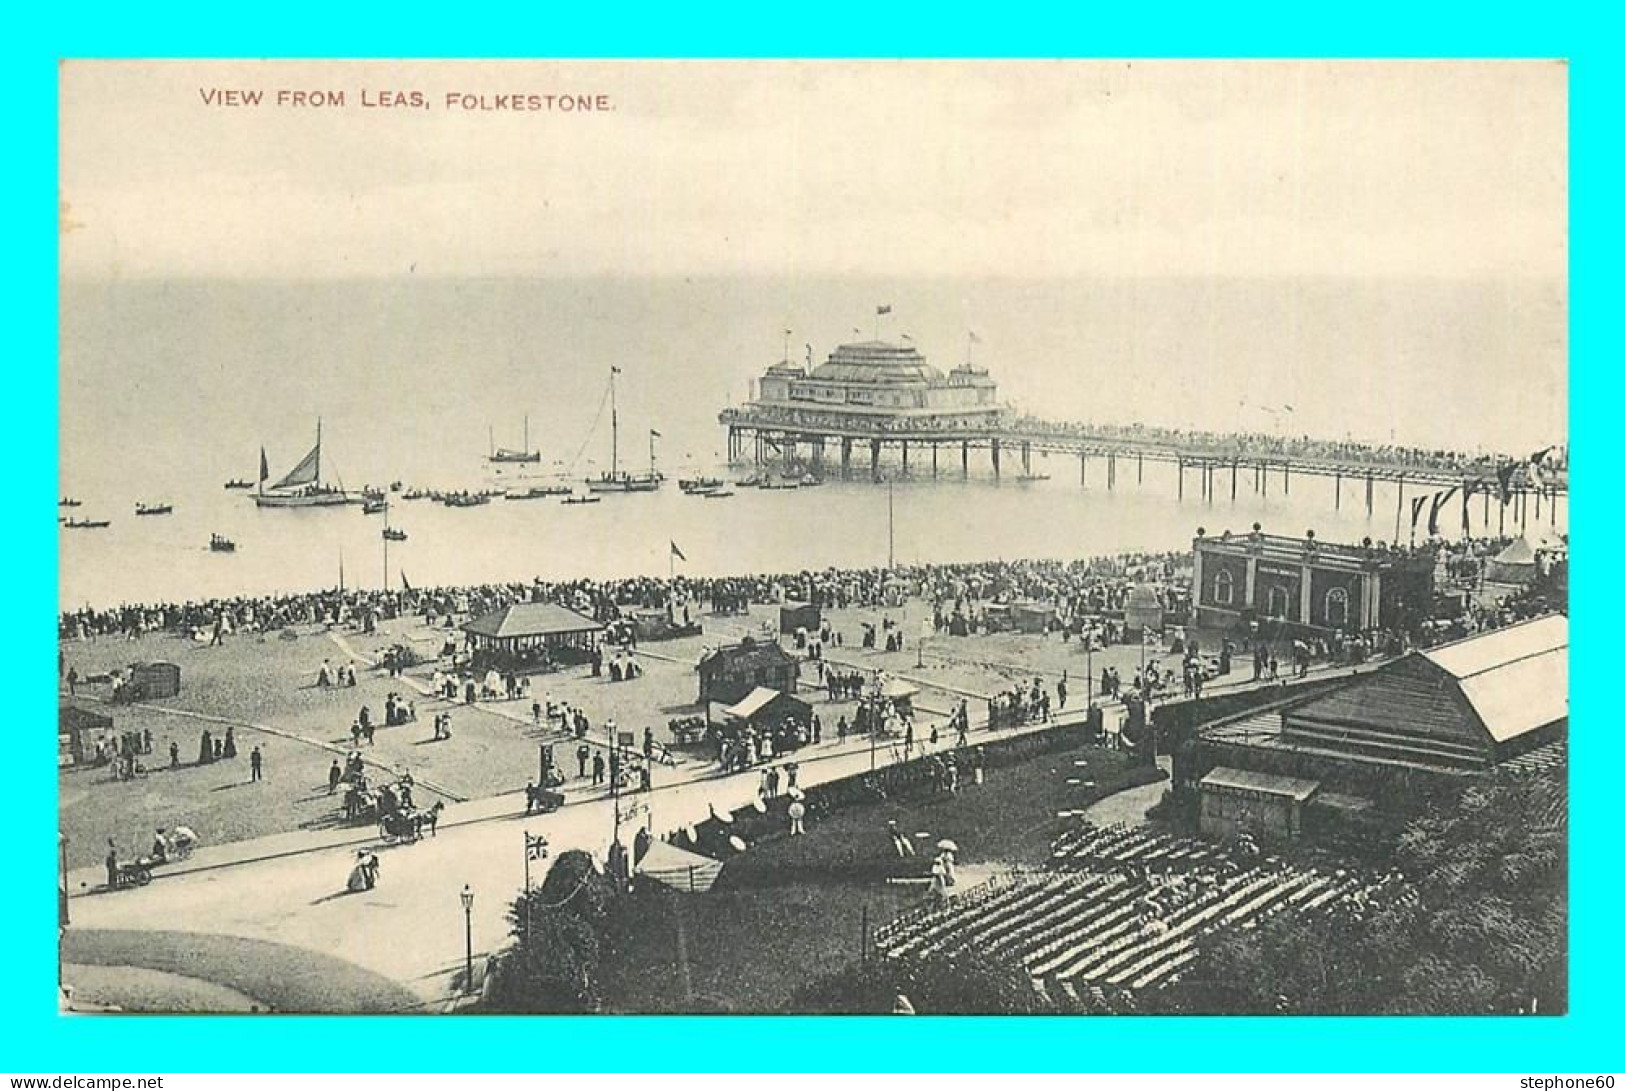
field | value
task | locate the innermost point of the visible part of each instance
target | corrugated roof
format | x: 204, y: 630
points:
x: 1249, y: 780
x: 530, y: 619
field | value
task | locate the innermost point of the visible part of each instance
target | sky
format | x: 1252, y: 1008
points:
x: 1031, y: 169
x: 1366, y: 249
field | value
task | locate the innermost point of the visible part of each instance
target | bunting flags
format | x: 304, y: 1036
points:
x: 1440, y: 499
x: 675, y: 552
x: 1417, y: 503
x: 1503, y: 481
x: 1467, y: 490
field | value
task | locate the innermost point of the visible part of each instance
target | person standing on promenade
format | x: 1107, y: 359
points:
x: 255, y: 765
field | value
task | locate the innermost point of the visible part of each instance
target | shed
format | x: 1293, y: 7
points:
x: 149, y: 681
x: 730, y: 672
x: 799, y: 615
x: 1031, y: 617
x: 1236, y: 801
x: 77, y: 730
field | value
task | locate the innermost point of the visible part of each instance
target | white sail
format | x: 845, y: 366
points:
x: 306, y: 473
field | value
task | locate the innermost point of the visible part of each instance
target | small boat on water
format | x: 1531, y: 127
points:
x: 810, y: 481
x: 394, y: 534
x: 67, y: 502
x: 154, y: 509
x: 239, y: 483
x: 717, y: 494
x: 521, y: 456
x: 581, y: 500
x: 414, y: 494
x: 394, y: 486
x: 617, y: 479
x: 373, y: 506
x: 302, y: 486
x: 751, y: 482
x: 699, y: 484
x: 88, y: 524
x: 537, y: 492
x: 219, y: 544
x: 466, y: 499
x: 1032, y: 477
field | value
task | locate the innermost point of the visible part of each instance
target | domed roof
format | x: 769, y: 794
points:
x: 876, y: 362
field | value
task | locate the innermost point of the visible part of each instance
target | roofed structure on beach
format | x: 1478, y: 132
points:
x: 531, y: 625
x: 1461, y: 707
x: 730, y: 672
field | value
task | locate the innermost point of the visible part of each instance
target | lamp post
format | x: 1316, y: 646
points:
x: 62, y: 852
x: 468, y: 937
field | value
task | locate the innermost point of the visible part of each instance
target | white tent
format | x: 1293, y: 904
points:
x: 1514, y: 564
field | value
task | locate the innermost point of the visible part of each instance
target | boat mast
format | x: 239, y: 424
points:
x: 490, y: 441
x: 891, y: 531
x: 318, y: 480
x: 614, y: 426
x: 386, y: 544
x: 527, y: 434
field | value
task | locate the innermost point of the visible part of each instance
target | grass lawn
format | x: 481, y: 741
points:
x: 130, y: 988
x: 1009, y: 819
x: 791, y: 909
x: 277, y: 976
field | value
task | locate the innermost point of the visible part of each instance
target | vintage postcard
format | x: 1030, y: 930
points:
x: 813, y: 537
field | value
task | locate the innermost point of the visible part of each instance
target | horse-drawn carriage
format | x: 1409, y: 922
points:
x: 408, y: 824
x: 391, y: 807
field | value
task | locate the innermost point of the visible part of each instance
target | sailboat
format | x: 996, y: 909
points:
x: 618, y: 480
x: 524, y: 454
x: 302, y: 486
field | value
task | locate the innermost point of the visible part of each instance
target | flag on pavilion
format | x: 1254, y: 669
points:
x: 886, y: 309
x: 675, y: 552
x: 975, y: 338
x: 535, y: 847
x: 653, y: 433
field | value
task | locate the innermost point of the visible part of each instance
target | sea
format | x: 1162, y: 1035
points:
x: 169, y: 389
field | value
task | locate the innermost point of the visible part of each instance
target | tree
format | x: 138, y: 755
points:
x: 554, y: 964
x: 962, y: 984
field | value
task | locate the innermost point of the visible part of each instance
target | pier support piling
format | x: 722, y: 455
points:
x: 995, y: 456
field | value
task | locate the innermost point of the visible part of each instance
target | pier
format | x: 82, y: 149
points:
x: 854, y: 446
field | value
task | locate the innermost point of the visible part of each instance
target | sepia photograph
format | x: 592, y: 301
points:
x: 803, y: 537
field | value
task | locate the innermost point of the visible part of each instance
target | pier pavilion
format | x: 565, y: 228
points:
x: 888, y: 402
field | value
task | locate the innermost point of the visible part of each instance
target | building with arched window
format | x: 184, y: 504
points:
x: 1306, y: 585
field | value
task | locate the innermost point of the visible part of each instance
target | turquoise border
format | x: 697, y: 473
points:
x: 37, y: 1040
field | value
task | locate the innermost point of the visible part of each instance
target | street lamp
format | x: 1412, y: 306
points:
x: 468, y: 936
